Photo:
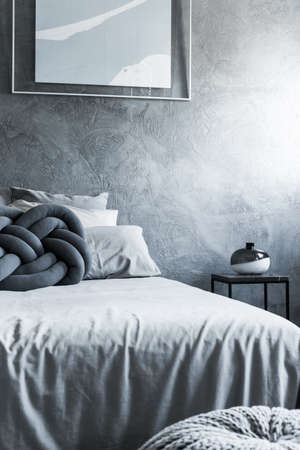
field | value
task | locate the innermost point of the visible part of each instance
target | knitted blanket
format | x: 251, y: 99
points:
x: 42, y: 247
x: 259, y: 427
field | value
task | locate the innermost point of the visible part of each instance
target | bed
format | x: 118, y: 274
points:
x: 107, y: 363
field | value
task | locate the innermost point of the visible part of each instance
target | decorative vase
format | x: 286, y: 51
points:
x: 250, y: 261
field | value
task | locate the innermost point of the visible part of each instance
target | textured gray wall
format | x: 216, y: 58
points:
x: 200, y: 177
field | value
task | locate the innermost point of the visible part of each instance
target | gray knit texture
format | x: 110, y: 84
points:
x: 256, y: 428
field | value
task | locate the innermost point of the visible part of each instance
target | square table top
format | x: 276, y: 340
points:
x: 244, y: 279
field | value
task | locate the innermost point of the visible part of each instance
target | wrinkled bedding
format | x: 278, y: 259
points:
x: 107, y: 363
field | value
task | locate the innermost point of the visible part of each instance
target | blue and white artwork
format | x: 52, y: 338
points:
x: 104, y: 42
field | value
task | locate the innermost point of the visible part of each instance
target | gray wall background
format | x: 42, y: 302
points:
x: 201, y: 177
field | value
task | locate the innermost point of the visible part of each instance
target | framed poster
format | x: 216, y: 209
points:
x: 105, y: 48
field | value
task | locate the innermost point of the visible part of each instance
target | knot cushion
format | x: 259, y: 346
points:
x: 256, y: 428
x: 42, y: 247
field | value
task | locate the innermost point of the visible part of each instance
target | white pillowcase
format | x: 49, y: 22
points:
x: 88, y: 217
x: 119, y: 252
x: 78, y: 201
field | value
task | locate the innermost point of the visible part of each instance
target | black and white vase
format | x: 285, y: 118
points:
x: 250, y: 261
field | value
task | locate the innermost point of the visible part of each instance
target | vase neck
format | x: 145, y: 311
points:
x: 250, y: 245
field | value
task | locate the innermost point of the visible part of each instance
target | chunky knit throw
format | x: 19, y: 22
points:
x: 42, y: 247
x: 256, y: 428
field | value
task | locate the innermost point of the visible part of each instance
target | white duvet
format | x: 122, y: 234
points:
x: 108, y: 363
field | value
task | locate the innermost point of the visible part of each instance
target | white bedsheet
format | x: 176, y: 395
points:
x: 107, y: 363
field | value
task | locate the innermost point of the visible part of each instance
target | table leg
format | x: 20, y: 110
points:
x: 287, y: 299
x: 229, y: 290
x: 266, y: 296
x: 212, y: 285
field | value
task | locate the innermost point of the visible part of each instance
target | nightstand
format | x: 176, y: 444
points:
x: 232, y: 279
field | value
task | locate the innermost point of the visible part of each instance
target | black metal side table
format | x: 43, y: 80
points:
x: 231, y: 279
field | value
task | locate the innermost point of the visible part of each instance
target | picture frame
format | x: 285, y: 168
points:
x: 24, y: 60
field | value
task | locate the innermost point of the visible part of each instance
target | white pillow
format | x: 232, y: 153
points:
x: 88, y: 217
x: 79, y: 201
x: 119, y: 252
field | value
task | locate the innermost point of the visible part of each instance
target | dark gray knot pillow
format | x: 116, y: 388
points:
x: 42, y: 247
